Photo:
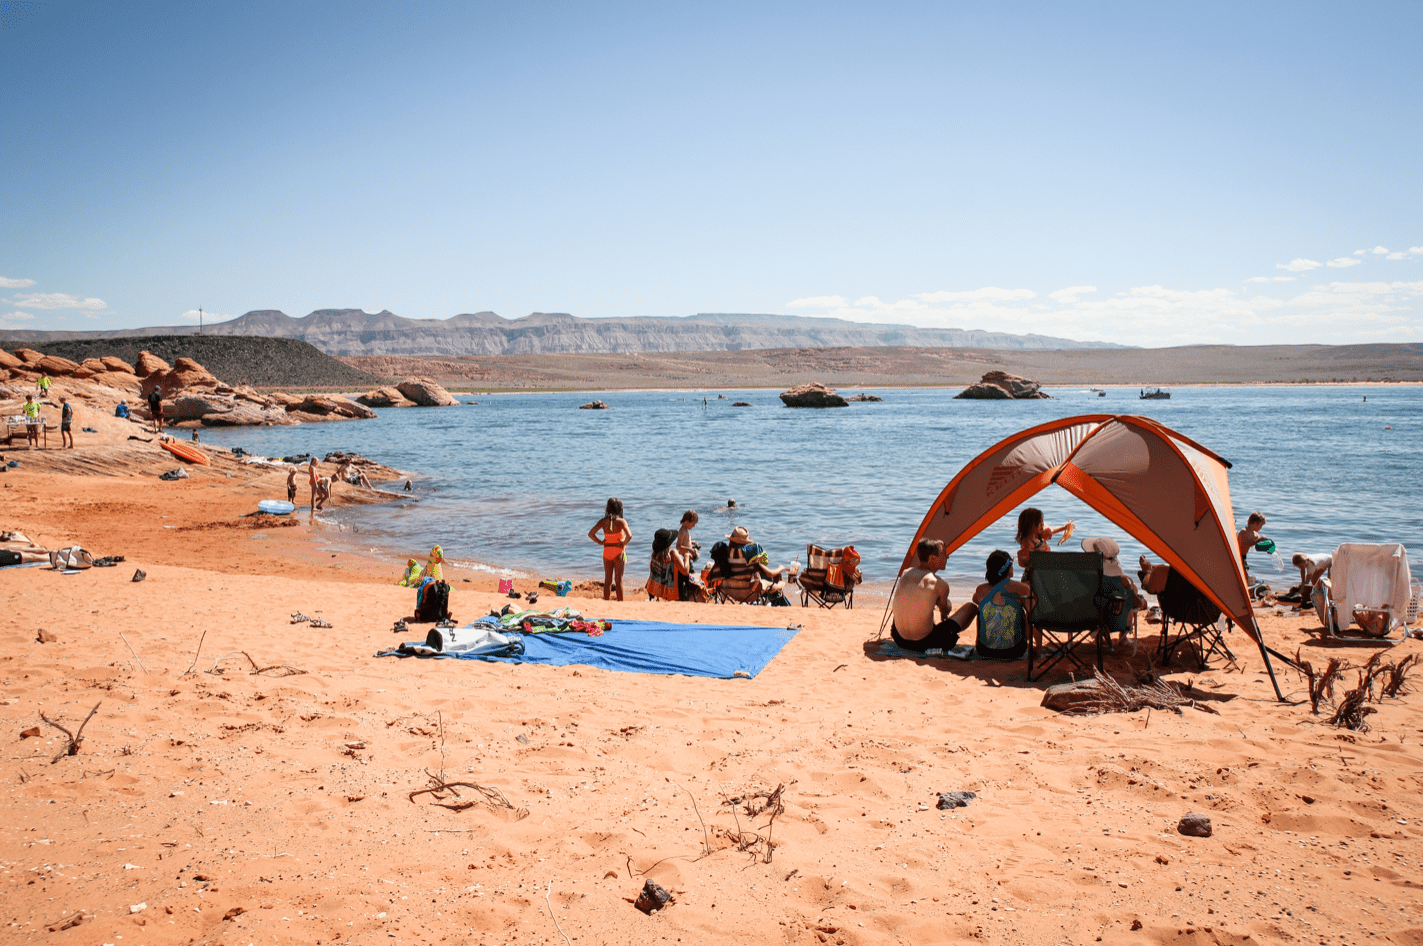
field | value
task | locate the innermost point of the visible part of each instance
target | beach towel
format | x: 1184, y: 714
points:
x: 888, y: 648
x: 697, y: 650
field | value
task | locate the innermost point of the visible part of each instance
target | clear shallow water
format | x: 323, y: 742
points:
x: 520, y: 478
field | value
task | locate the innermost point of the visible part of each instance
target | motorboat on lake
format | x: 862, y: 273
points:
x: 1155, y: 394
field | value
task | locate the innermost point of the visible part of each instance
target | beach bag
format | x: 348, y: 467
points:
x: 8, y: 557
x: 476, y: 640
x: 72, y: 557
x: 851, y: 558
x: 432, y: 601
x: 1002, y: 628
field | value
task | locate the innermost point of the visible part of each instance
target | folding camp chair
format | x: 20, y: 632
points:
x: 1069, y: 606
x: 1368, y: 584
x: 818, y: 582
x: 744, y: 585
x: 1196, y: 620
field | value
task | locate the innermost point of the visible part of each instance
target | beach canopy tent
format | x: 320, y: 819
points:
x: 1164, y: 489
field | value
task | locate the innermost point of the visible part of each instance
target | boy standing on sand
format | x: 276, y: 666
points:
x: 311, y: 477
x: 32, y: 421
x: 291, y: 485
x: 66, y: 418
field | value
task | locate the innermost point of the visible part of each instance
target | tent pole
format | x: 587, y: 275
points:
x: 1265, y: 653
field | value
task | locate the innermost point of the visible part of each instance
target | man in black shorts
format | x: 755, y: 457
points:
x: 155, y: 408
x: 918, y: 594
x: 66, y: 419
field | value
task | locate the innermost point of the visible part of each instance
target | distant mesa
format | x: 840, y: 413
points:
x: 1002, y: 386
x: 356, y: 333
x: 594, y: 406
x: 813, y: 394
x: 865, y: 397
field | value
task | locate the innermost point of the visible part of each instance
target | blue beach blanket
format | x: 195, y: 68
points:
x: 697, y: 650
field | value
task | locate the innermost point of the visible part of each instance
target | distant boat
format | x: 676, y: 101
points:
x: 1155, y: 394
x: 1098, y: 391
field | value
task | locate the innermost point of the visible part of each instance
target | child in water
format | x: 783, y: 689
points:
x: 1033, y: 533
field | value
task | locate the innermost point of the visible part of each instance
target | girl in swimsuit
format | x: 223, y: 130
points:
x: 616, y: 536
x: 1033, y: 534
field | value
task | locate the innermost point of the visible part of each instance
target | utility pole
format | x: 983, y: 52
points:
x: 200, y: 320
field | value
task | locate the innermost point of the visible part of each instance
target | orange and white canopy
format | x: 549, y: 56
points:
x: 1164, y: 489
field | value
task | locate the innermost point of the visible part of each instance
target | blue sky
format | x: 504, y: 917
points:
x: 1151, y: 174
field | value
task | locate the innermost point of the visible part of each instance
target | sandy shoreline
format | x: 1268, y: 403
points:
x: 285, y: 795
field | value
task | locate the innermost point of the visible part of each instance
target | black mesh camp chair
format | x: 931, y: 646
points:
x: 744, y: 584
x: 830, y: 577
x: 1069, y: 607
x: 1194, y: 618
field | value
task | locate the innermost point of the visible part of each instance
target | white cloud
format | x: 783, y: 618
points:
x: 1343, y: 262
x: 16, y: 317
x: 987, y: 293
x: 1071, y: 293
x: 57, y: 300
x: 819, y: 302
x: 1360, y: 252
x: 192, y: 316
x: 1160, y: 315
x: 1380, y: 250
x: 7, y: 283
x: 1299, y: 265
x: 1416, y: 250
x: 1397, y: 255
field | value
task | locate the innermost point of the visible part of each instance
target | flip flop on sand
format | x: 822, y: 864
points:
x: 299, y: 618
x: 317, y: 622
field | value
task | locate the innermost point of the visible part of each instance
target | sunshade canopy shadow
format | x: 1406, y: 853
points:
x: 1164, y: 489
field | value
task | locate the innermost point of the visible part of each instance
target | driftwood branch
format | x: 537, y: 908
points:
x: 75, y: 737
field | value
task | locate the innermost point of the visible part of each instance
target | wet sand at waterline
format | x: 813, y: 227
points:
x: 235, y: 807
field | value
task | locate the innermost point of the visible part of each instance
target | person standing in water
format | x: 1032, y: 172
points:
x: 615, y: 539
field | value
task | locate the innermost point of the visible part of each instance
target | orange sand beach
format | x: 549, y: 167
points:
x: 210, y: 804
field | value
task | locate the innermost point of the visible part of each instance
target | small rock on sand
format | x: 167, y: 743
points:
x: 653, y: 897
x: 1195, y: 826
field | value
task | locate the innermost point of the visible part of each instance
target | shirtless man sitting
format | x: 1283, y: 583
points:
x: 918, y: 594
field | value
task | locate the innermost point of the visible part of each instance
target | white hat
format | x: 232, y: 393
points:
x: 1110, y: 551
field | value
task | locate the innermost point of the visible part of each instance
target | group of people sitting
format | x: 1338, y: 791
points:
x: 1001, y: 603
x: 671, y: 577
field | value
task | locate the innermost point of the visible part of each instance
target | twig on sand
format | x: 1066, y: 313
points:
x: 841, y: 667
x: 706, y: 840
x: 555, y: 918
x: 134, y: 652
x: 75, y: 737
x: 257, y: 668
x: 756, y: 803
x: 492, y: 797
x: 202, y: 638
x: 441, y: 720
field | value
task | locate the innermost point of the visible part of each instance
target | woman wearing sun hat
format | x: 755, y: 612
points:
x: 1116, y: 584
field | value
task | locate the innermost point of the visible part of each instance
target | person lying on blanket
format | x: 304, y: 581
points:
x: 919, y: 592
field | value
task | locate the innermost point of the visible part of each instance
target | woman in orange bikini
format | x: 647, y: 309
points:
x: 616, y: 536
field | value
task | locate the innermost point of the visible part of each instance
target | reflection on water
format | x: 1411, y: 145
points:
x: 520, y: 478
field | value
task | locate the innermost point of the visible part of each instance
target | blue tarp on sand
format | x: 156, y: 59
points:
x: 697, y: 650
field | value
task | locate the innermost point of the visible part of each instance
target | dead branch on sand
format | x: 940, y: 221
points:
x: 442, y: 790
x: 755, y: 805
x: 287, y: 669
x: 75, y: 737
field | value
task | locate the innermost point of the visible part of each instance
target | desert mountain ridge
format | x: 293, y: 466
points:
x: 354, y: 332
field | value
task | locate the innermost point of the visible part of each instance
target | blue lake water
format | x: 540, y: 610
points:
x: 520, y: 478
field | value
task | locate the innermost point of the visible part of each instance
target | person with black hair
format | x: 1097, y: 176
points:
x: 1002, y: 610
